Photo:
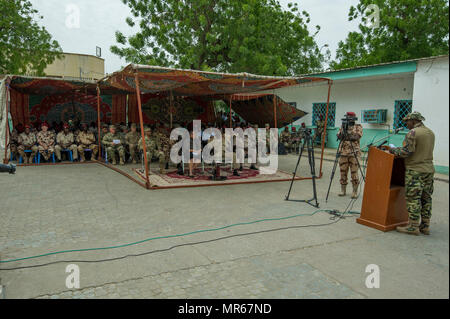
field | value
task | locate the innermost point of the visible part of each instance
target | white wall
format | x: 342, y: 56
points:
x: 431, y: 100
x: 353, y: 96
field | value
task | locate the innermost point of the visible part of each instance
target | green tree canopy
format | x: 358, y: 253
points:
x: 407, y: 29
x: 255, y: 36
x: 25, y: 47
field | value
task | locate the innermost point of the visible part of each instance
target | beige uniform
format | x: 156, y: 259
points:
x: 66, y: 142
x: 86, y: 140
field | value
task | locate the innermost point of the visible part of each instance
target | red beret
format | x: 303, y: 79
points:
x: 66, y: 125
x: 351, y: 114
x: 294, y: 129
x: 45, y: 124
x: 27, y: 126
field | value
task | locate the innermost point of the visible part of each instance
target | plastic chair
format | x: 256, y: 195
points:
x: 28, y: 151
x: 39, y: 158
x: 70, y: 154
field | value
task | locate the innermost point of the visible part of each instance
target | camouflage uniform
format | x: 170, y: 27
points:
x: 286, y: 140
x: 132, y: 140
x: 153, y: 151
x: 27, y: 142
x: 417, y: 150
x: 347, y: 160
x: 48, y: 139
x: 164, y: 144
x: 65, y: 142
x: 319, y: 130
x: 296, y: 138
x: 86, y: 140
x: 113, y: 149
x: 14, y: 143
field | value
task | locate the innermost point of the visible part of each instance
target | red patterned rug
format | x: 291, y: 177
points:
x: 203, y: 178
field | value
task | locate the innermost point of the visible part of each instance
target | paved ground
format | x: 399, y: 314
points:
x: 46, y: 209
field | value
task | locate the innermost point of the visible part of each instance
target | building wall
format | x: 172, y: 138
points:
x: 355, y: 95
x: 76, y: 66
x: 432, y: 101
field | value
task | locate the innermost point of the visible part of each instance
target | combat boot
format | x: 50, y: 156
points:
x: 411, y: 229
x: 161, y: 168
x: 355, y: 192
x: 114, y: 162
x: 82, y: 157
x: 122, y: 161
x: 134, y: 161
x: 424, y: 227
x: 343, y: 190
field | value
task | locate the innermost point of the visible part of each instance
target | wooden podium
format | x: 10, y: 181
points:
x: 384, y: 203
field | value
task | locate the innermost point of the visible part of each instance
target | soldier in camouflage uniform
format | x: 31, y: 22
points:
x: 27, y: 141
x: 14, y: 143
x: 152, y: 149
x: 46, y: 141
x: 164, y: 144
x: 132, y: 139
x: 320, y: 123
x: 86, y: 140
x: 66, y: 141
x: 348, y: 149
x: 114, y: 145
x: 286, y: 139
x: 296, y: 139
x: 417, y: 151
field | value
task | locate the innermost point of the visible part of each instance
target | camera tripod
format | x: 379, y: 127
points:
x: 308, y: 143
x: 338, y: 156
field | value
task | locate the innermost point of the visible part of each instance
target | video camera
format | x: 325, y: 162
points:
x: 348, y: 121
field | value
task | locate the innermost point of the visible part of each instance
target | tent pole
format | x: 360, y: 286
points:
x: 171, y: 109
x: 141, y: 121
x: 6, y: 159
x: 98, y: 124
x: 324, y: 134
x: 231, y: 119
x: 275, y: 104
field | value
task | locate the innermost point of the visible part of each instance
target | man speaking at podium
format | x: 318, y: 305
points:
x: 417, y: 151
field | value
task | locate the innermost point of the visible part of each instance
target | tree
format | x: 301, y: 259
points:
x: 255, y: 36
x: 25, y: 47
x: 407, y: 29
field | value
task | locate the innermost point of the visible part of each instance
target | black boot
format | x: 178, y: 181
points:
x: 235, y: 173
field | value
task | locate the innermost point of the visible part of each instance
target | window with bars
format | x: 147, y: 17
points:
x: 402, y: 108
x: 321, y: 109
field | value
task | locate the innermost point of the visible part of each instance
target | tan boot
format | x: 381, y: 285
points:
x: 114, y: 162
x: 424, y: 227
x: 355, y: 192
x: 411, y: 229
x: 122, y: 161
x: 161, y: 169
x: 343, y: 190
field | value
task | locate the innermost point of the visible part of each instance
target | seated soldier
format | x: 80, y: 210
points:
x: 46, y: 141
x: 114, y: 146
x: 285, y: 138
x: 152, y: 149
x: 132, y: 139
x: 27, y: 142
x: 14, y: 143
x: 66, y: 141
x: 86, y: 141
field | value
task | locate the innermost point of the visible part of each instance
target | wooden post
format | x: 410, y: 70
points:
x: 141, y: 120
x: 324, y: 134
x: 231, y: 118
x: 275, y: 104
x: 6, y: 159
x: 98, y: 125
x: 171, y: 109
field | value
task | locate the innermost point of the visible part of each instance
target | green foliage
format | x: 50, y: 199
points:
x: 408, y: 29
x: 255, y: 36
x: 25, y: 47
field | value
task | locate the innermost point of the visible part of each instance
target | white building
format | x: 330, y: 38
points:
x: 396, y: 88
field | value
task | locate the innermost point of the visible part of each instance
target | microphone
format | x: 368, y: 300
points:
x: 399, y: 129
x: 379, y: 146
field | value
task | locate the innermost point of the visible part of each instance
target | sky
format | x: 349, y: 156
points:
x: 100, y: 19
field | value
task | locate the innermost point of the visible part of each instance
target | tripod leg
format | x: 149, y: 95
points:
x: 295, y: 172
x: 313, y: 171
x: 333, y: 172
x: 357, y: 161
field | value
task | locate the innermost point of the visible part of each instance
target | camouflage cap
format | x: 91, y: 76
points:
x: 112, y: 127
x: 133, y: 125
x: 147, y: 129
x: 414, y: 116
